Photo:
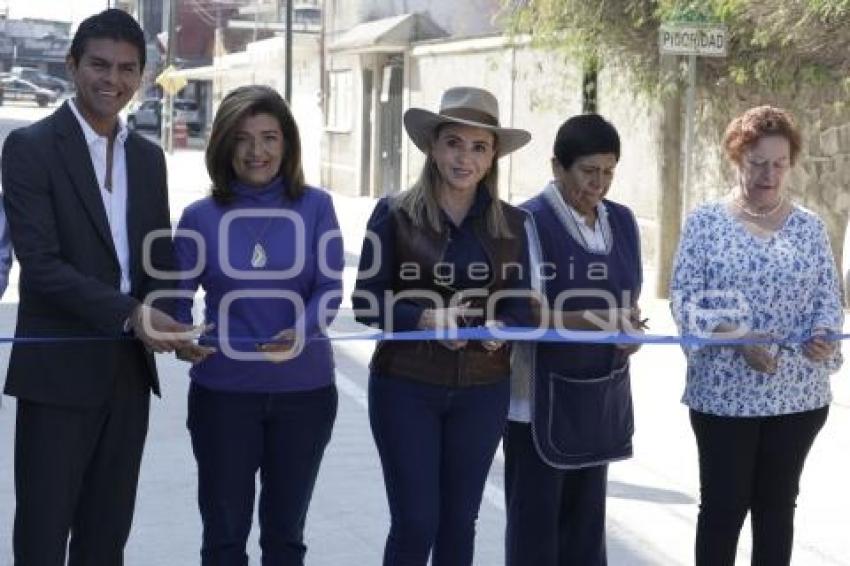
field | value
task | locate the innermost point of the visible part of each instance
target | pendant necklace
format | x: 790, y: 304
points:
x: 259, y: 257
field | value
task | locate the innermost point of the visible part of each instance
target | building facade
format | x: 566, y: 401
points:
x: 31, y: 42
x: 367, y: 82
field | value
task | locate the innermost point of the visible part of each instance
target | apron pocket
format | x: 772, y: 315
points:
x: 590, y: 418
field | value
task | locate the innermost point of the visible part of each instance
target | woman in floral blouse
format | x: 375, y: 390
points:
x: 757, y: 266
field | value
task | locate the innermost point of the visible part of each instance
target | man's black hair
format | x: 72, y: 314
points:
x: 109, y: 24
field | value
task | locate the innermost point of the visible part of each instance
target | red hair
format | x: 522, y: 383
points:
x: 747, y: 129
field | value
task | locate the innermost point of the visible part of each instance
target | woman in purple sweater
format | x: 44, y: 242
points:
x: 267, y: 251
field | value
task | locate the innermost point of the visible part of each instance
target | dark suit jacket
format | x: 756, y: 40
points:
x: 70, y: 276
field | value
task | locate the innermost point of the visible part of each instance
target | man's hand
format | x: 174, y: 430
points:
x: 161, y: 333
x: 193, y: 353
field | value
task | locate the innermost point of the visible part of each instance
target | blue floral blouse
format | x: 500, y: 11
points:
x: 785, y: 285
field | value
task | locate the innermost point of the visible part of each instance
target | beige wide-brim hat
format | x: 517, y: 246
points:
x: 468, y: 106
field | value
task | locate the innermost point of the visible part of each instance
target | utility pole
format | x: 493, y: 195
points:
x: 323, y: 87
x: 256, y: 18
x: 288, y: 54
x: 670, y: 200
x: 167, y: 107
x: 218, y: 52
x: 692, y: 39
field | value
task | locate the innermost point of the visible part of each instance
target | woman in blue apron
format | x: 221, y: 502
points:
x: 571, y: 404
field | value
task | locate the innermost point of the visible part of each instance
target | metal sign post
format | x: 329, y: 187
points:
x: 694, y: 40
x: 171, y: 84
x: 167, y: 106
x: 287, y: 94
x: 689, y: 119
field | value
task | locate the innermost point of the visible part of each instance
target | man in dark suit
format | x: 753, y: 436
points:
x: 81, y: 194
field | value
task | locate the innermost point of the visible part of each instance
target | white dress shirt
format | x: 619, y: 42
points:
x: 594, y: 238
x: 5, y: 250
x: 114, y: 201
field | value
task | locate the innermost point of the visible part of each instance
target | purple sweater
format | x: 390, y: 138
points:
x: 317, y: 282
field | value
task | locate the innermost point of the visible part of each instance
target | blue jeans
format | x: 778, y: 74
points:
x: 283, y: 435
x: 436, y: 445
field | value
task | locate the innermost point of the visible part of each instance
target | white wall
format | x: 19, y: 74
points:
x: 636, y: 182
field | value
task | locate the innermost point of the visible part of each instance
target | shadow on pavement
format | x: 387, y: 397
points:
x: 622, y: 490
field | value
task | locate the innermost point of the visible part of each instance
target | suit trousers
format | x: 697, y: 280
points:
x: 76, y: 472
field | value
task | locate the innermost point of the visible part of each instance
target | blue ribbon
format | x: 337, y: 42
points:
x: 512, y: 334
x: 519, y: 334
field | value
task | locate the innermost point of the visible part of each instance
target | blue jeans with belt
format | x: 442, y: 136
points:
x: 436, y: 444
x: 234, y: 435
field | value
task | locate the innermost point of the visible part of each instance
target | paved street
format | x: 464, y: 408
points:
x: 653, y: 497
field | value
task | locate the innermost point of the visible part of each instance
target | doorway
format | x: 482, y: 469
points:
x: 390, y: 107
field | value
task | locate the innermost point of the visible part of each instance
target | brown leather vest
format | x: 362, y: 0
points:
x: 417, y: 250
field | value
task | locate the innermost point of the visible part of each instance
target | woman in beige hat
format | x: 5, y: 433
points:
x: 434, y: 258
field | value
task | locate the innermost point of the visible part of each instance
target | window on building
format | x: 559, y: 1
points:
x: 341, y: 91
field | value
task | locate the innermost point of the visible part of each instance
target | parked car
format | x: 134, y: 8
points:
x: 14, y: 88
x: 148, y: 114
x: 42, y: 79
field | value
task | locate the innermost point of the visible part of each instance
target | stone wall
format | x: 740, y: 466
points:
x: 820, y: 181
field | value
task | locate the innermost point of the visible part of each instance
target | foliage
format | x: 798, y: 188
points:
x: 778, y: 44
